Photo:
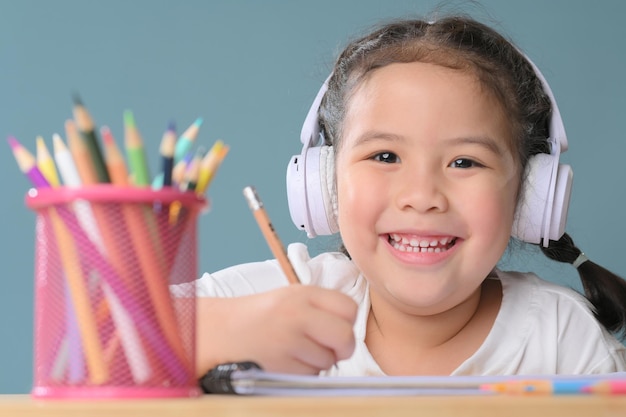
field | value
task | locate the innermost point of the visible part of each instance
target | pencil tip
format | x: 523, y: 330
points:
x: 13, y: 142
x: 107, y: 137
x: 198, y: 121
x: 171, y: 126
x: 129, y: 118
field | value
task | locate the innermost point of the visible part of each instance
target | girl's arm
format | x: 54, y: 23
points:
x: 295, y: 329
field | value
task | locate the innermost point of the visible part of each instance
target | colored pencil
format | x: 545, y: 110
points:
x: 80, y: 154
x: 539, y: 386
x: 168, y: 145
x: 178, y: 370
x: 135, y: 151
x: 72, y: 339
x: 90, y: 217
x: 178, y: 172
x: 99, y: 228
x: 86, y: 127
x: 27, y: 163
x: 616, y: 386
x: 98, y: 371
x: 76, y: 170
x: 65, y: 162
x: 190, y: 178
x: 210, y: 164
x: 136, y: 220
x: 114, y: 159
x: 273, y: 241
x: 131, y: 342
x: 45, y: 163
x: 186, y: 140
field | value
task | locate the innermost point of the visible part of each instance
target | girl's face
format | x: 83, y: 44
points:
x: 426, y: 185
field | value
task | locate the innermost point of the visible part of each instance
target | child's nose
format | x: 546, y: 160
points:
x: 421, y: 190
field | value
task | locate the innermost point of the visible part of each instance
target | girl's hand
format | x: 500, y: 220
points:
x: 295, y: 329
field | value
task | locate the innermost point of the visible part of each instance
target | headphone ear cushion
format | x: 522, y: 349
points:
x: 529, y: 214
x: 542, y: 208
x: 329, y: 192
x: 311, y: 191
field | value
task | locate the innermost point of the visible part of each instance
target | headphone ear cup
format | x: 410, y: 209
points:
x: 542, y: 208
x: 560, y: 205
x: 310, y: 191
x: 296, y: 190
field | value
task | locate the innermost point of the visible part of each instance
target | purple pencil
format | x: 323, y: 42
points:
x: 27, y: 163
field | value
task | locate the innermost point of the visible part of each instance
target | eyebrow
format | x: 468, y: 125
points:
x: 483, y: 141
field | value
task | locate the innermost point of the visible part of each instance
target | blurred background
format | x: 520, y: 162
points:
x: 250, y: 69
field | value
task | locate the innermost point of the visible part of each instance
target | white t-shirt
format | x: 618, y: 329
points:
x: 541, y: 328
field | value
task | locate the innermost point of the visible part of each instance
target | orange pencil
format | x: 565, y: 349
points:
x: 269, y: 233
x: 98, y: 371
x: 114, y: 159
x: 80, y: 154
x: 150, y: 263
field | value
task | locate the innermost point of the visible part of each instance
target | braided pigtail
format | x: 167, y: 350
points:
x: 605, y: 290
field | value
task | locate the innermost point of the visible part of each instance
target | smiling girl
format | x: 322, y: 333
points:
x: 428, y: 128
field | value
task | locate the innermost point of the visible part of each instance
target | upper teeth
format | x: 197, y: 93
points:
x: 421, y: 243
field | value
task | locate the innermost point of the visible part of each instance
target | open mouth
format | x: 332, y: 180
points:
x: 422, y: 245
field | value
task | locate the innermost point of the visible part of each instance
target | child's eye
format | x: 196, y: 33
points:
x: 464, y: 163
x: 386, y: 157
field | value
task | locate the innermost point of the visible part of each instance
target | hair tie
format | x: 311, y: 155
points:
x: 580, y: 260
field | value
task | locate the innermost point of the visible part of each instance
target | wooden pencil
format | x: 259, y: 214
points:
x: 166, y: 149
x: 273, y: 241
x: 135, y: 151
x: 186, y: 140
x: 87, y: 129
x: 46, y: 163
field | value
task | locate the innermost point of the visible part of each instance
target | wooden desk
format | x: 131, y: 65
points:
x: 234, y: 406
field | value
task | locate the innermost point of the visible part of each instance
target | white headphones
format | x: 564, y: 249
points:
x: 540, y: 216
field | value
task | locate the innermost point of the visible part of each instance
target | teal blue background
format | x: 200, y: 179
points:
x: 251, y: 69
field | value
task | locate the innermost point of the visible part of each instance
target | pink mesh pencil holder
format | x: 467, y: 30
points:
x: 114, y: 292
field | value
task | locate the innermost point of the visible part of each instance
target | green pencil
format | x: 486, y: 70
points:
x: 135, y: 151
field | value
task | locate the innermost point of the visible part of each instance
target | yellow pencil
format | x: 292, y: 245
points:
x: 269, y: 233
x: 46, y: 164
x: 210, y: 164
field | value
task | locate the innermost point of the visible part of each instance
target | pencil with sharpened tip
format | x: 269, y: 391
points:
x: 210, y: 164
x: 86, y: 128
x: 135, y: 151
x: 168, y: 145
x: 114, y: 159
x: 27, y: 163
x: 273, y: 241
x: 187, y: 139
x: 45, y: 163
x: 80, y: 154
